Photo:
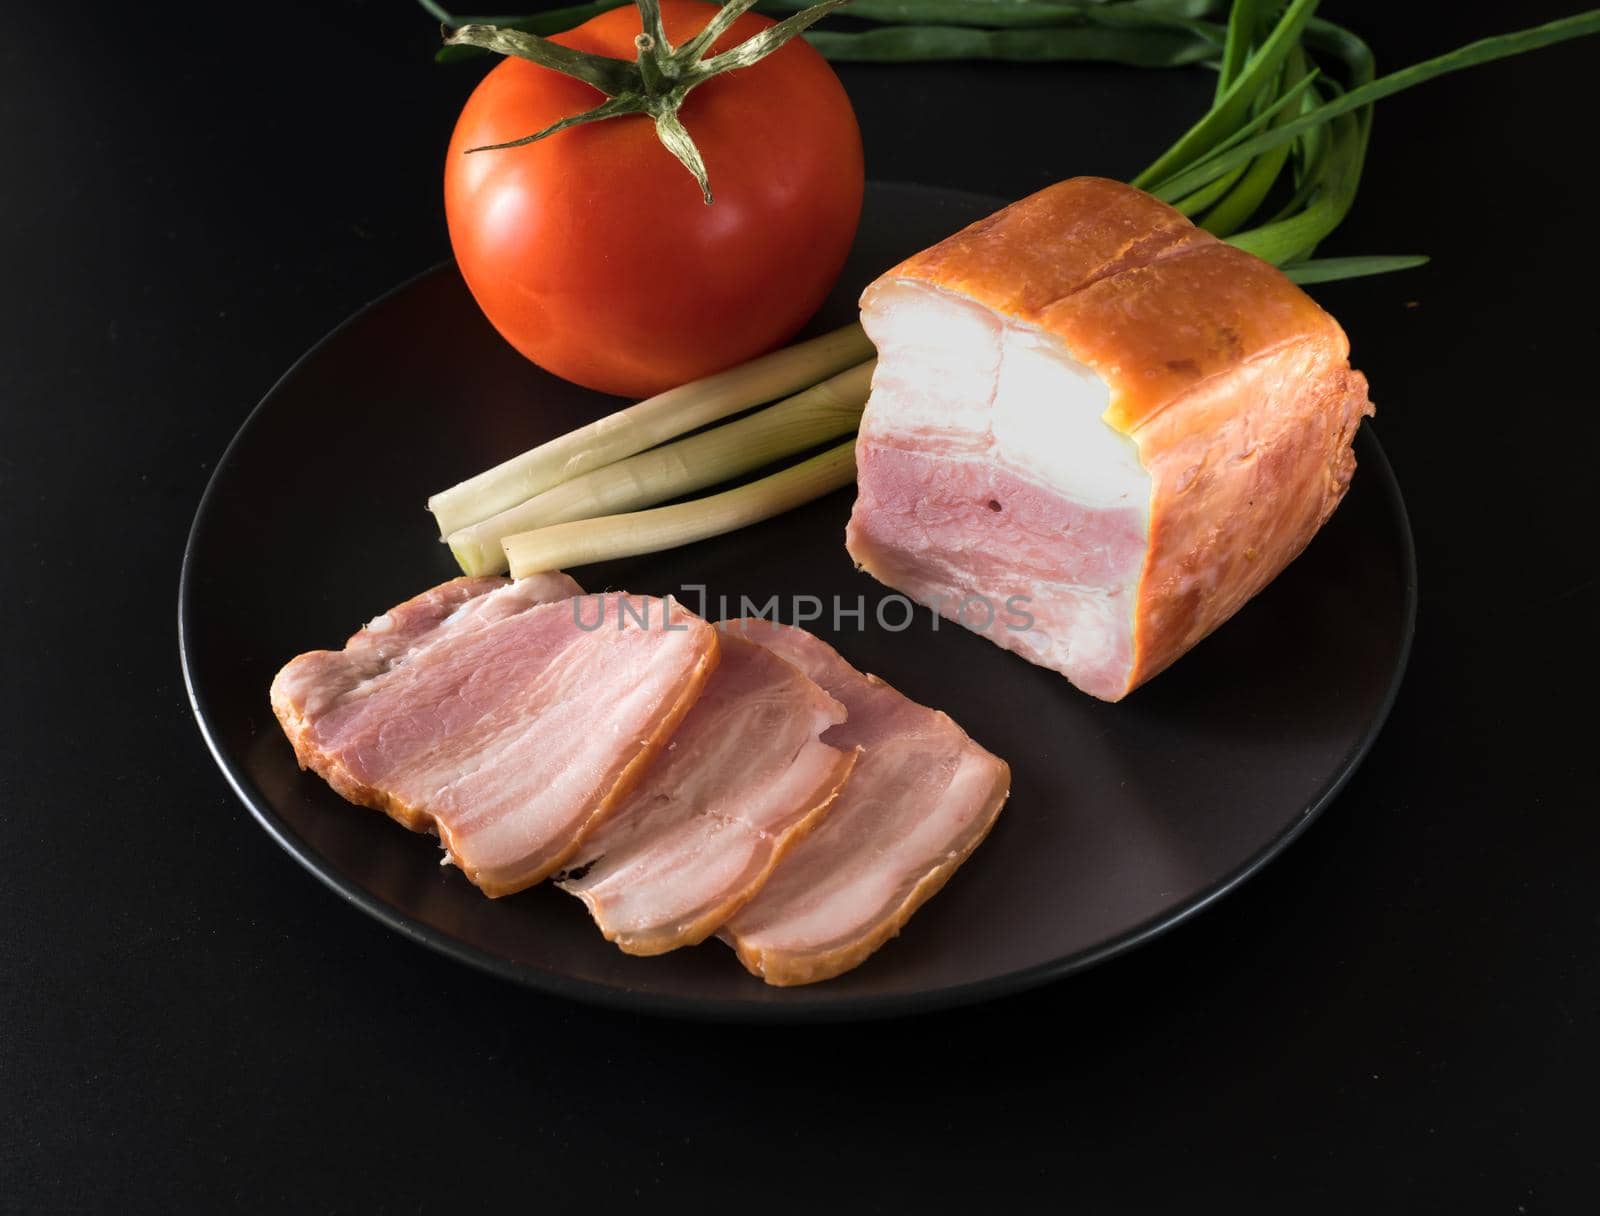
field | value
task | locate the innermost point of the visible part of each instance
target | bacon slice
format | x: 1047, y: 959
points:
x: 510, y: 718
x: 1096, y: 431
x: 744, y: 779
x: 920, y: 799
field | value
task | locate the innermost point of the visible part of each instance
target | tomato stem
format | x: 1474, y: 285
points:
x: 649, y: 72
x: 656, y: 81
x: 651, y: 27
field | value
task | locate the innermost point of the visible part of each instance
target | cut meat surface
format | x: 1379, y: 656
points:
x: 510, y: 718
x: 1095, y: 431
x: 744, y: 778
x: 920, y: 799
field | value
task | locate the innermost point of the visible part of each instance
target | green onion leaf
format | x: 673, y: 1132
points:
x: 1243, y: 20
x: 1235, y: 104
x: 1240, y: 203
x: 1486, y: 50
x: 1155, y: 48
x: 1209, y: 193
x: 1327, y: 270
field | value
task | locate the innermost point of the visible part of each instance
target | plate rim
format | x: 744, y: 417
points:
x: 789, y: 1009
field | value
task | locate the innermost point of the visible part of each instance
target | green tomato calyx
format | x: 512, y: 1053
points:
x: 656, y: 81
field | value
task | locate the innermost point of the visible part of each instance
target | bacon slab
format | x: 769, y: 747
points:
x: 743, y: 780
x: 920, y: 799
x: 510, y: 718
x: 1096, y: 431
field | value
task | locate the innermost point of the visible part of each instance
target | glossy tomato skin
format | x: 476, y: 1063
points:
x: 592, y: 251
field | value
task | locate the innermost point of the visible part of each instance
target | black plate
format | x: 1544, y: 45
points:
x: 1123, y: 819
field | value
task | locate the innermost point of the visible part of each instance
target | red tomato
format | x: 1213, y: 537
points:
x: 592, y: 251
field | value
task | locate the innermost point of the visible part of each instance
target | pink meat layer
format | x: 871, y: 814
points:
x: 1029, y: 568
x: 508, y: 723
x: 744, y: 778
x: 920, y: 799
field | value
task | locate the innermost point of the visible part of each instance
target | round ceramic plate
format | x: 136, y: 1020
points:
x: 1123, y: 819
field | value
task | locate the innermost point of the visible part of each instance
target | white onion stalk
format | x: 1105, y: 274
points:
x: 820, y: 413
x: 596, y: 540
x: 656, y: 420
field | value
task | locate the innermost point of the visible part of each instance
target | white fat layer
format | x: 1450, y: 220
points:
x: 1013, y: 393
x: 937, y: 363
x: 1048, y: 421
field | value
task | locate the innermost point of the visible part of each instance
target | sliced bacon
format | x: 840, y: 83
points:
x: 743, y: 780
x: 919, y: 800
x: 510, y: 718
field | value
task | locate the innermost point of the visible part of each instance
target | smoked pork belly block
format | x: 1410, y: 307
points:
x: 744, y: 778
x: 921, y: 797
x: 1095, y: 430
x: 509, y: 718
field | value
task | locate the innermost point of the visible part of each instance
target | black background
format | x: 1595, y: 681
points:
x: 1400, y: 1013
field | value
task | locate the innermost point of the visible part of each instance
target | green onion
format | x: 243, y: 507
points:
x: 820, y: 413
x: 1152, y: 48
x: 1294, y: 238
x: 1033, y: 14
x: 664, y: 416
x: 1325, y: 270
x: 595, y: 540
x: 1194, y: 204
x: 1260, y: 120
x: 1241, y: 200
x: 1486, y: 50
x: 1233, y: 107
x: 1243, y: 20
